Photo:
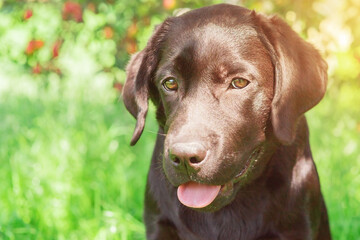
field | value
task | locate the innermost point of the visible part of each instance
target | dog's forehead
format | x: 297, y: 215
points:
x: 208, y: 24
x: 219, y: 46
x: 212, y: 39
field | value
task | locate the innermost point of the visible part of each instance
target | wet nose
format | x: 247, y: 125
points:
x: 190, y: 154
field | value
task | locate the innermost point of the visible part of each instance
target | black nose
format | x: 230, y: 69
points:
x: 187, y: 153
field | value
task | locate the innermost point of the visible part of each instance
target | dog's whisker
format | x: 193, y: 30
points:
x: 161, y: 134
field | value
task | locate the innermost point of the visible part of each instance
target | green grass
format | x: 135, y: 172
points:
x: 67, y: 171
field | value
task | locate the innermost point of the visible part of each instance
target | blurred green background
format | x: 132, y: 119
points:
x: 66, y: 168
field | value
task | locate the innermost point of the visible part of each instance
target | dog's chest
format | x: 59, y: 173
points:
x: 227, y: 224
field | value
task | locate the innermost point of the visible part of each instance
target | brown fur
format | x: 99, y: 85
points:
x: 216, y: 132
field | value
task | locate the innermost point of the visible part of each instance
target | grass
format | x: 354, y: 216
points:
x: 67, y: 171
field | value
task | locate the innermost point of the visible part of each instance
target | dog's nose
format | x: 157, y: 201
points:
x: 187, y: 153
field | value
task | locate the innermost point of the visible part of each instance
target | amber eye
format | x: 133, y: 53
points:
x: 239, y: 83
x: 170, y: 84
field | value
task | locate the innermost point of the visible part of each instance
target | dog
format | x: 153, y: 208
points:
x: 232, y: 158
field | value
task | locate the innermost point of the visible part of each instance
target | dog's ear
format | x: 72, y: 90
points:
x: 140, y: 72
x: 132, y: 97
x: 300, y: 76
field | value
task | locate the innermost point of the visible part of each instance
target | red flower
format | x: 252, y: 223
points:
x: 131, y: 46
x: 28, y: 14
x: 56, y: 48
x: 169, y: 4
x: 108, y: 32
x: 37, y: 69
x: 33, y: 45
x: 118, y: 86
x: 72, y: 10
x: 132, y: 30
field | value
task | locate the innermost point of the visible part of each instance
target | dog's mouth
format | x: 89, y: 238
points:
x: 198, y: 195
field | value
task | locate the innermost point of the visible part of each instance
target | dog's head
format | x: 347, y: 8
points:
x: 226, y: 81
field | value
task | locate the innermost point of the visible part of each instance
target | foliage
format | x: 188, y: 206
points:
x: 67, y: 171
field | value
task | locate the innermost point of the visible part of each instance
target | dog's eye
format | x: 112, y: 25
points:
x: 170, y: 84
x: 239, y: 83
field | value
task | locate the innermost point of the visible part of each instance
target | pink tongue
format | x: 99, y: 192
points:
x: 196, y: 195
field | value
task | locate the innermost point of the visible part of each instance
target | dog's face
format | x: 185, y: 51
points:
x: 216, y: 87
x: 215, y: 76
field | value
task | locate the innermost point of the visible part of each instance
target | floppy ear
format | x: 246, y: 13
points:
x: 300, y: 76
x: 140, y: 72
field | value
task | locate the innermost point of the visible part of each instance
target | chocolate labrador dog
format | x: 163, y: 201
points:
x: 232, y: 158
